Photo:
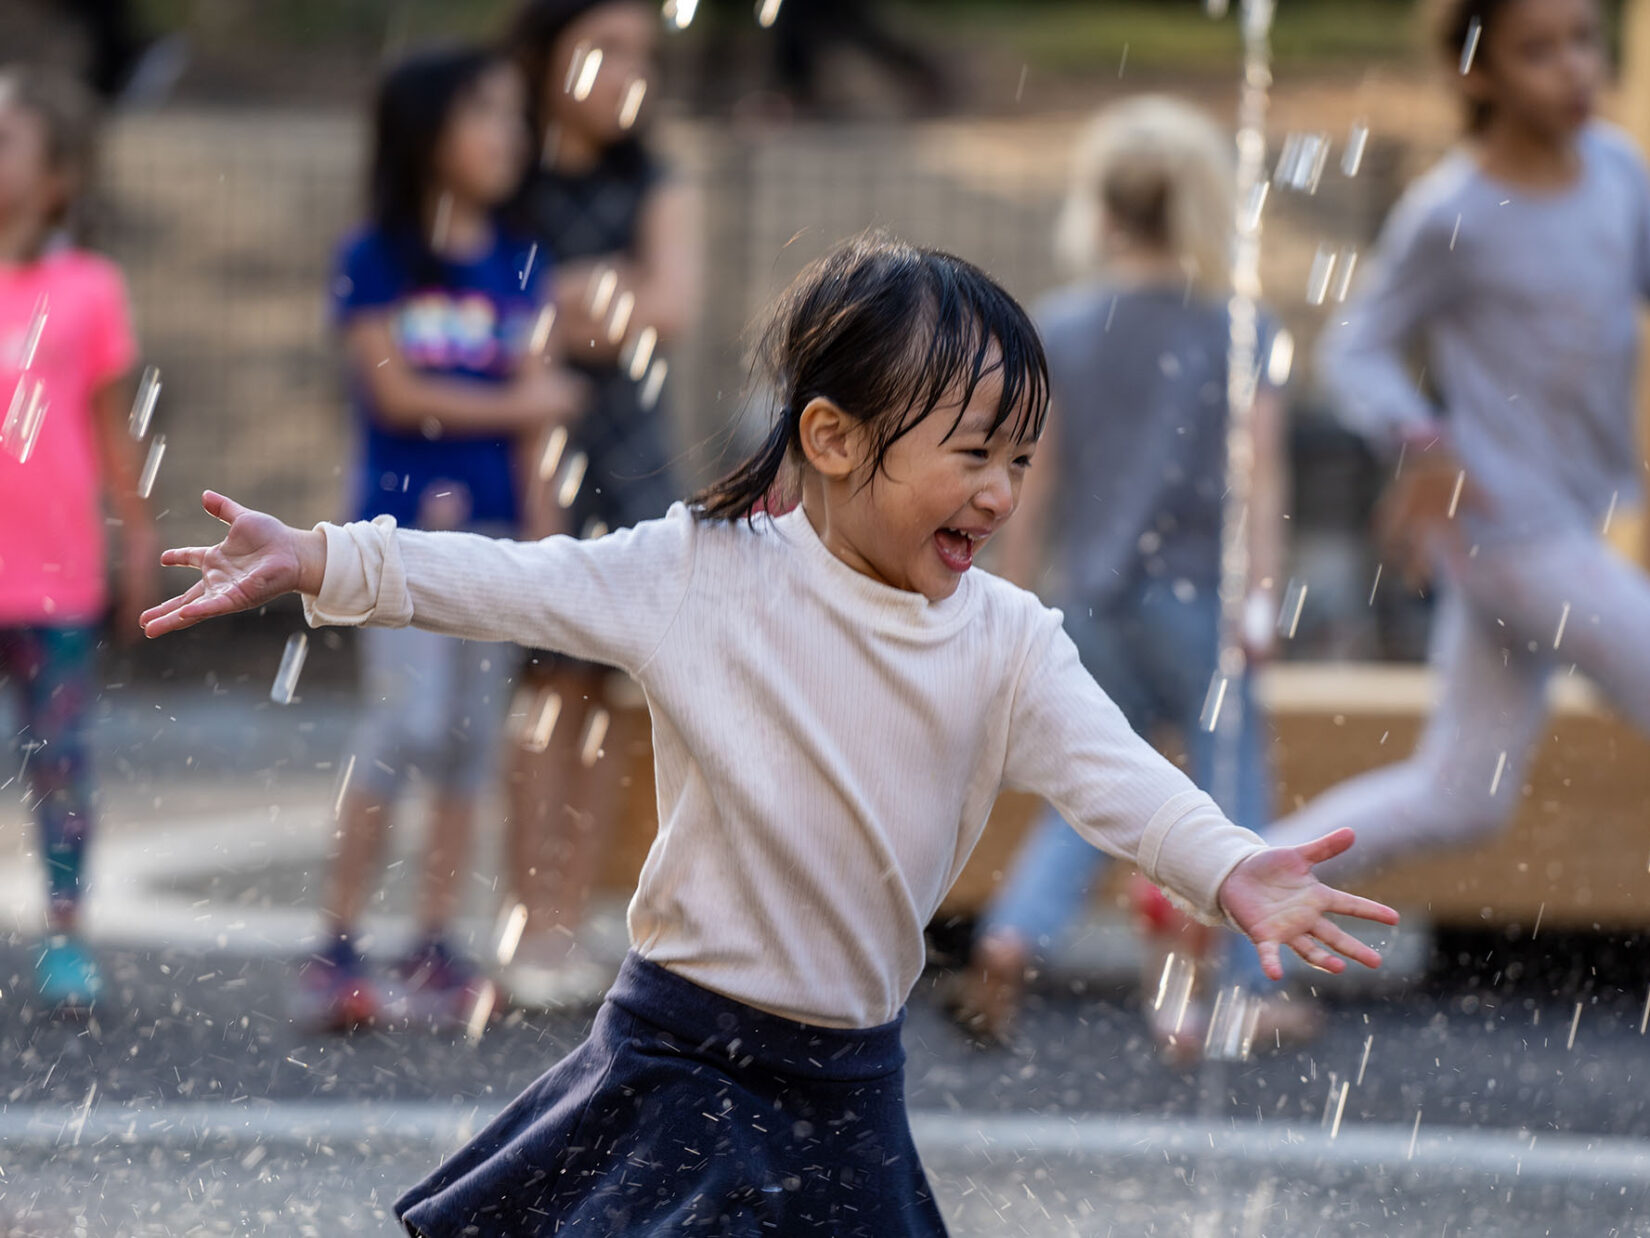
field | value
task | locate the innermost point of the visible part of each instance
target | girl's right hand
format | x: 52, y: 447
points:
x: 258, y: 560
x: 1419, y: 507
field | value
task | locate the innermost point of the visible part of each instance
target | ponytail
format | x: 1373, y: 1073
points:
x: 748, y: 488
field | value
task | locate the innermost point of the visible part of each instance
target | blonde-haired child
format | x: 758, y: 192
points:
x: 1131, y: 508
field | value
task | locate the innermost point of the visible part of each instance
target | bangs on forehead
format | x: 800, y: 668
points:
x: 967, y: 331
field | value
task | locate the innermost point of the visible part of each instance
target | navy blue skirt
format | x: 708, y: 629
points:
x: 686, y: 1112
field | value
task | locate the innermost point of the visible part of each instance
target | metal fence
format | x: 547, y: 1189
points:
x: 226, y: 222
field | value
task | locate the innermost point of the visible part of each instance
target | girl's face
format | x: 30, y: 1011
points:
x: 937, y: 499
x: 483, y: 147
x: 600, y: 70
x: 28, y: 187
x: 1541, y: 65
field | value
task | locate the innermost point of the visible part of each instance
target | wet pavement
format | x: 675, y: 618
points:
x: 1503, y: 1092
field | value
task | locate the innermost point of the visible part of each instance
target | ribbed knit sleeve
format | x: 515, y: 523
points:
x: 1070, y: 744
x: 609, y: 600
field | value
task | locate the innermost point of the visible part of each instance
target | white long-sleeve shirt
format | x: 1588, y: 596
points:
x: 827, y: 748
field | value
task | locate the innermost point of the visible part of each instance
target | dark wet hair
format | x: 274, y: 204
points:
x: 415, y: 102
x: 69, y: 115
x: 887, y: 332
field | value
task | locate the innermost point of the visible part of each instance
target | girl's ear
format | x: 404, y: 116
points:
x: 831, y: 439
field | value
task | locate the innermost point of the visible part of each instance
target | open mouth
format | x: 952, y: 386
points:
x: 957, y: 547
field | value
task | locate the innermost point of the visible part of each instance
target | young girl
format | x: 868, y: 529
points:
x: 1519, y: 264
x: 837, y: 699
x: 624, y: 234
x: 1137, y: 442
x: 66, y: 350
x: 437, y: 305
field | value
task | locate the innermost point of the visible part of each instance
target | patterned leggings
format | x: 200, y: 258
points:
x: 52, y: 673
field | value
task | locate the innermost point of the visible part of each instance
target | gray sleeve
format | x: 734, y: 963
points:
x: 1363, y: 359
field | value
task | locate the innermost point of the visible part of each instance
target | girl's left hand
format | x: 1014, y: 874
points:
x: 1274, y: 898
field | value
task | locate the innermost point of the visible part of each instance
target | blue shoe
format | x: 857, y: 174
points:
x: 66, y: 976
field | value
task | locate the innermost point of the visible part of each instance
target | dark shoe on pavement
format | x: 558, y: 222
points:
x: 335, y: 992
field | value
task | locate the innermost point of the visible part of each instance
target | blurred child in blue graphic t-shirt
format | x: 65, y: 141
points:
x: 438, y: 305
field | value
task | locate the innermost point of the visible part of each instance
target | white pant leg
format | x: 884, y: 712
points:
x: 1601, y: 600
x: 1465, y: 775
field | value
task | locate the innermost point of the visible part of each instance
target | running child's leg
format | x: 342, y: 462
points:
x: 1580, y: 603
x: 57, y: 668
x: 1464, y: 778
x: 476, y: 684
x: 54, y: 669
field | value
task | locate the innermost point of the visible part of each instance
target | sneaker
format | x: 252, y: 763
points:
x: 437, y: 986
x: 335, y: 993
x: 986, y: 998
x: 1175, y: 973
x: 66, y: 975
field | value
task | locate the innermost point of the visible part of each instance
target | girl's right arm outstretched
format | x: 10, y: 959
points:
x: 610, y: 600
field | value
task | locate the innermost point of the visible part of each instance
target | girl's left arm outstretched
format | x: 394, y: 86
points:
x: 1069, y: 743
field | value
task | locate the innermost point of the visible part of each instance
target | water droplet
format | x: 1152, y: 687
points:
x: 515, y: 920
x: 1352, y: 158
x: 292, y: 665
x: 641, y: 352
x: 1232, y: 1023
x: 1302, y: 161
x: 1500, y: 768
x: 37, y: 325
x: 649, y: 394
x: 554, y: 444
x: 539, y: 344
x: 679, y: 13
x: 1212, y: 701
x: 1281, y: 359
x: 1344, y: 267
x: 623, y: 306
x: 581, y: 73
x: 151, y: 465
x: 24, y: 417
x: 631, y: 105
x: 343, y: 787
x: 602, y: 289
x: 594, y: 734
x: 1289, y: 614
x: 537, y: 737
x: 143, y: 404
x: 572, y: 478
x: 1323, y: 269
x: 1469, y: 46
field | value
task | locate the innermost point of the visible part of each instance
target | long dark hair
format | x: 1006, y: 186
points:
x: 414, y: 104
x: 887, y: 332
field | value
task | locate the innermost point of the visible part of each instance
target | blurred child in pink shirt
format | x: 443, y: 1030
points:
x: 66, y: 354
